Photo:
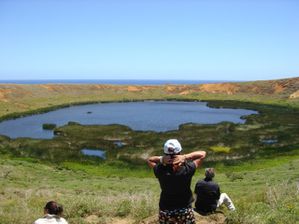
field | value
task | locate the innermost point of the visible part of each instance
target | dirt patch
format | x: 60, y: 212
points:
x: 122, y: 221
x: 294, y: 95
x: 217, y: 218
x: 94, y: 219
x: 170, y: 89
x: 227, y: 88
x: 278, y: 88
x: 139, y: 88
x: 186, y: 92
x: 134, y: 89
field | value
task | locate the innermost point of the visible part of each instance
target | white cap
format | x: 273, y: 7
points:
x: 172, y: 146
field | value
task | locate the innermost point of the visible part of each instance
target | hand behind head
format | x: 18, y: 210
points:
x: 167, y: 159
x: 178, y: 160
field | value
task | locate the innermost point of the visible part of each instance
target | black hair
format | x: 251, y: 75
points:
x: 53, y: 208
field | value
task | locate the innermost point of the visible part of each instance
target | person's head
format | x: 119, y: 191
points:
x: 172, y: 147
x: 210, y: 173
x: 53, y: 208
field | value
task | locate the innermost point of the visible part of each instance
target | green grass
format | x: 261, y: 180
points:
x: 108, y: 169
x: 265, y: 194
x: 28, y: 185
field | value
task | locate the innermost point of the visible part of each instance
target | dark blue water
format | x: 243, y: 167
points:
x: 149, y: 115
x: 112, y: 81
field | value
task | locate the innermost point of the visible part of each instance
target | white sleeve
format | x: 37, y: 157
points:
x: 37, y: 221
x: 63, y: 221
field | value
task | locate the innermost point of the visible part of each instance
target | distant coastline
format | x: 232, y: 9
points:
x: 113, y: 81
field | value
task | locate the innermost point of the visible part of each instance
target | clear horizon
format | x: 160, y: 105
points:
x: 128, y: 79
x: 149, y: 40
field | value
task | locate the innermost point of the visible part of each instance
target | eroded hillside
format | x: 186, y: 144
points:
x: 19, y: 98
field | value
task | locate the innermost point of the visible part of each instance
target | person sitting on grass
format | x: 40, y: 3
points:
x: 174, y: 172
x: 53, y: 212
x: 208, y: 197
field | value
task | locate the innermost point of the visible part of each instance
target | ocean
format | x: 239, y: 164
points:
x: 112, y: 81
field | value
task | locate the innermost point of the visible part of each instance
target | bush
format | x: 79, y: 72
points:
x: 49, y: 126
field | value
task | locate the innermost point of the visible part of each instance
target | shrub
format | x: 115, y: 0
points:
x: 220, y: 149
x: 49, y: 126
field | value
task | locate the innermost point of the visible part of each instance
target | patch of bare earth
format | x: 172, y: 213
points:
x: 227, y: 88
x: 139, y: 88
x: 134, y: 89
x: 94, y: 219
x: 217, y: 218
x: 186, y: 92
x: 294, y: 95
x: 278, y: 88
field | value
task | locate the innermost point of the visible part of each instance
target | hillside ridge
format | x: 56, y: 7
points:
x: 20, y: 98
x: 287, y: 87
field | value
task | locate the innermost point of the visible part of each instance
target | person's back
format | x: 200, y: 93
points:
x: 50, y: 219
x: 208, y: 194
x: 175, y: 185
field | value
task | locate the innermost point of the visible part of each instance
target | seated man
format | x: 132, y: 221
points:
x: 208, y: 196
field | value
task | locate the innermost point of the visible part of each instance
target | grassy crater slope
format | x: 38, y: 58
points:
x: 265, y: 193
x: 257, y: 162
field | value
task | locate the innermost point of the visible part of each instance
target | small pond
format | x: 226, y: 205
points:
x: 94, y: 152
x: 145, y: 116
x: 269, y: 141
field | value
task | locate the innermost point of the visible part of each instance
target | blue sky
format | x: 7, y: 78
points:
x: 149, y: 39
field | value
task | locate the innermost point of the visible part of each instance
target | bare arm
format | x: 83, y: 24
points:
x: 197, y: 157
x: 153, y: 160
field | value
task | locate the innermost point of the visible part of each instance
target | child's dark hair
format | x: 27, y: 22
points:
x: 53, y: 208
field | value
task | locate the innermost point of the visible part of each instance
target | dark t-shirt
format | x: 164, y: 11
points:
x: 208, y: 193
x: 175, y: 186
